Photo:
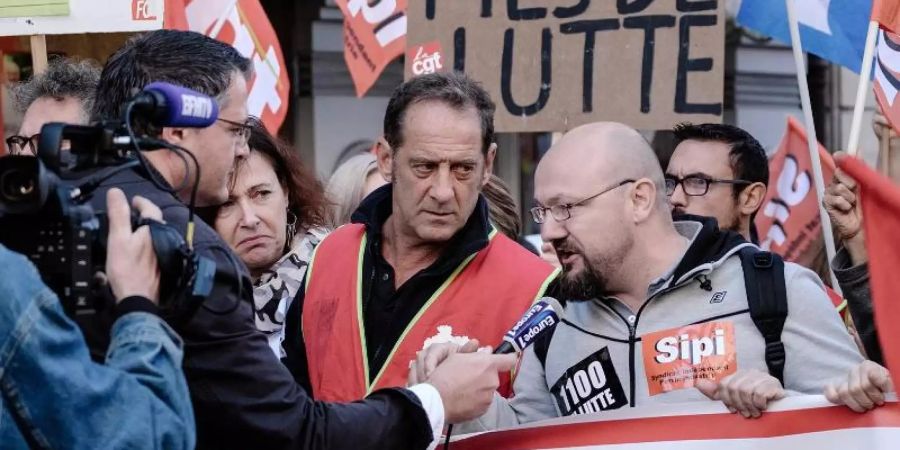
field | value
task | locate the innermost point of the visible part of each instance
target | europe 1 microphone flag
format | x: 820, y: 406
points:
x: 542, y: 317
x: 168, y: 105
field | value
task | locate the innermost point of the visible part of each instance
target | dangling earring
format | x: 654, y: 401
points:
x: 291, y: 228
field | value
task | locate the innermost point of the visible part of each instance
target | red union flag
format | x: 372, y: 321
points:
x: 788, y: 222
x: 374, y: 35
x: 887, y: 14
x: 244, y: 25
x: 880, y: 200
x: 887, y: 76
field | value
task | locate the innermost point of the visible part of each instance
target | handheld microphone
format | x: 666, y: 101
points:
x: 168, y: 105
x: 542, y: 317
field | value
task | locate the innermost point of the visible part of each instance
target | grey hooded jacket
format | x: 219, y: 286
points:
x: 595, y: 360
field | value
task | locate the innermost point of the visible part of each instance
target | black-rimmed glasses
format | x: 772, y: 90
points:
x: 697, y: 185
x: 20, y: 144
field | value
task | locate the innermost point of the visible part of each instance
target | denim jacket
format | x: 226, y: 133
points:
x: 54, y: 396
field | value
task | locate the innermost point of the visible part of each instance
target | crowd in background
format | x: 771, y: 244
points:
x: 355, y: 313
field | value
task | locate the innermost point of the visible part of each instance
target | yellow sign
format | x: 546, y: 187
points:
x: 27, y: 8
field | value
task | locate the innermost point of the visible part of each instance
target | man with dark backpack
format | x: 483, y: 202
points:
x: 658, y: 311
x: 722, y: 171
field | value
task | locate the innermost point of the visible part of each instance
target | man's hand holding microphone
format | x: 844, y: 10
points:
x: 467, y: 375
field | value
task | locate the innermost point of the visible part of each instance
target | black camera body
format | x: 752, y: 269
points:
x: 45, y: 215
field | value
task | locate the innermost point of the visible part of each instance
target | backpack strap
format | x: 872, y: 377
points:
x: 767, y: 300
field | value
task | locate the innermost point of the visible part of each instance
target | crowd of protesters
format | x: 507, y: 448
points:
x: 357, y: 315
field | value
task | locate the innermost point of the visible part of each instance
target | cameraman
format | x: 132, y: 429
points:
x: 53, y: 395
x: 242, y: 395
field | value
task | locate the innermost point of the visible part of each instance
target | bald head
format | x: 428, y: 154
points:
x: 599, y: 154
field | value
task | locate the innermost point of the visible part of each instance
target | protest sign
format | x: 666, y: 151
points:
x: 554, y: 64
x: 802, y: 422
x: 83, y: 16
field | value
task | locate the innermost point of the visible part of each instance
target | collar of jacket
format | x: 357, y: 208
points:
x: 710, y: 245
x: 471, y: 238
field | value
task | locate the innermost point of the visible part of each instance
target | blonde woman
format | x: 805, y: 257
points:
x: 355, y: 179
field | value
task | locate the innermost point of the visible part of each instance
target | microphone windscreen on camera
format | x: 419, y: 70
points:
x: 541, y: 318
x: 176, y: 106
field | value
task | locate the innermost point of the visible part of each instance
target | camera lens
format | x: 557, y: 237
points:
x: 17, y: 186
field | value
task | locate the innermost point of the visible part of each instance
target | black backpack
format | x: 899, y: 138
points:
x: 767, y: 301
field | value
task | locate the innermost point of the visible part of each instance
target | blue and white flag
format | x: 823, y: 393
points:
x: 831, y: 29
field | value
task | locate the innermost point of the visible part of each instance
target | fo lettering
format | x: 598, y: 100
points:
x: 694, y: 350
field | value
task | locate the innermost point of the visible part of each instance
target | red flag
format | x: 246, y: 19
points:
x: 887, y: 77
x: 887, y: 14
x: 788, y: 222
x: 374, y: 35
x: 880, y: 200
x: 244, y: 25
x: 173, y: 16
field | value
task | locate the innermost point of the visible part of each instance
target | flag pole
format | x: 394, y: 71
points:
x: 865, y: 73
x: 811, y: 140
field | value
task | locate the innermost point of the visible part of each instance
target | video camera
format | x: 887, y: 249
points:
x: 45, y: 214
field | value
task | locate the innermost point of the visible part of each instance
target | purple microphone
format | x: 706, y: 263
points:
x: 168, y: 105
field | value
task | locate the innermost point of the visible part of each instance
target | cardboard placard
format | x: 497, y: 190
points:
x: 89, y: 16
x: 551, y: 65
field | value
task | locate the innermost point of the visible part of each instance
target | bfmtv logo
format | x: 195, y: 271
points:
x: 425, y: 59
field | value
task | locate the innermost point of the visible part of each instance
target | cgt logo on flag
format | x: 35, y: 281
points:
x: 887, y: 77
x: 426, y: 58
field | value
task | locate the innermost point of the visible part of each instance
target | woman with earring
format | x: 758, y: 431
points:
x: 273, y: 219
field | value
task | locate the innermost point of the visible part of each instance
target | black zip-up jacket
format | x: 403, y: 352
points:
x: 243, y: 397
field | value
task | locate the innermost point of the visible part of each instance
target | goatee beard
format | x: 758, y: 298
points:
x: 585, y: 286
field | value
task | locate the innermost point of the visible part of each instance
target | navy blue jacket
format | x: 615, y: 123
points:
x: 243, y: 396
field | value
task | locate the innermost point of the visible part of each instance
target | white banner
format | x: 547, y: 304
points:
x: 91, y: 16
x: 795, y: 423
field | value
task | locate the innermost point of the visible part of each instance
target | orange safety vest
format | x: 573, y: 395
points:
x: 481, y: 299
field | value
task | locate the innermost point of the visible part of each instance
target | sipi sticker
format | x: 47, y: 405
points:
x: 679, y: 357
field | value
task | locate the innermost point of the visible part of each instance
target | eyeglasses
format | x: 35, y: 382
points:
x: 562, y: 212
x: 697, y: 185
x: 20, y: 144
x: 241, y: 130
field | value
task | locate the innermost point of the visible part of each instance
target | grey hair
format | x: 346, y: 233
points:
x: 345, y: 187
x: 63, y: 78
